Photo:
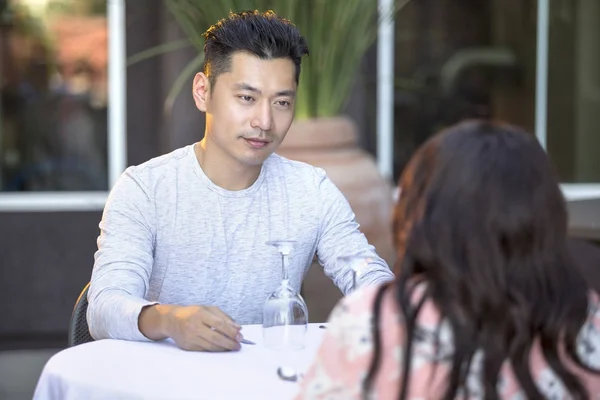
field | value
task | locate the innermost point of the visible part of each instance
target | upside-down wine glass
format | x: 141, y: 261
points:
x: 285, y: 315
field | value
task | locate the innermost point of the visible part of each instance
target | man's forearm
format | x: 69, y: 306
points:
x: 154, y: 321
x: 378, y: 273
x: 114, y: 313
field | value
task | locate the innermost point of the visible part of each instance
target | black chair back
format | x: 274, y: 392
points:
x: 79, y: 332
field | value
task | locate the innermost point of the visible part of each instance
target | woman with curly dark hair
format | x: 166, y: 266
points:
x: 487, y: 302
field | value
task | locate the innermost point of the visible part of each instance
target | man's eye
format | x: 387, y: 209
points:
x: 246, y: 98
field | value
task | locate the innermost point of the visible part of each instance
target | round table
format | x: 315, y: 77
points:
x: 116, y: 369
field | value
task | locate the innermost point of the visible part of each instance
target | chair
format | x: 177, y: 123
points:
x: 79, y: 332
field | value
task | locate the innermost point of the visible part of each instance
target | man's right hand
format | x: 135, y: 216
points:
x: 195, y: 328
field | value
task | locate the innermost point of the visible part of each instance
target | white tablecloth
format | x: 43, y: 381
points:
x: 115, y: 369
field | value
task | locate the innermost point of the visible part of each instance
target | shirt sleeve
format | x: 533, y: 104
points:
x: 340, y: 236
x: 123, y: 262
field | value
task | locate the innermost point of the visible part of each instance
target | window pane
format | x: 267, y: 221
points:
x: 574, y: 89
x: 469, y: 58
x: 462, y: 59
x: 53, y: 119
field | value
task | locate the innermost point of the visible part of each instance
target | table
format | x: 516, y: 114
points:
x: 116, y: 369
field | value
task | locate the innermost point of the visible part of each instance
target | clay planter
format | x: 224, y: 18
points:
x: 332, y: 144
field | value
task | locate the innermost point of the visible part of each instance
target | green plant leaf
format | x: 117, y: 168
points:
x: 157, y: 50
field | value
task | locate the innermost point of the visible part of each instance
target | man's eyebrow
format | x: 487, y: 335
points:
x: 288, y: 93
x: 245, y: 86
x: 250, y: 88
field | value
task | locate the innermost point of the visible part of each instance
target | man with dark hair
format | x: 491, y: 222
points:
x: 182, y: 251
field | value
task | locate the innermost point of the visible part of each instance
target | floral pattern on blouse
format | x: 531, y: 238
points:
x: 346, y: 351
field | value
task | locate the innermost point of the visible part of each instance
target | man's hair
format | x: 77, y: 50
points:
x: 264, y: 35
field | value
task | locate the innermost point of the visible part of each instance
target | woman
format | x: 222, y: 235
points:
x: 486, y: 302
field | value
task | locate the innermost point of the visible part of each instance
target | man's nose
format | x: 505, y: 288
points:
x: 263, y: 118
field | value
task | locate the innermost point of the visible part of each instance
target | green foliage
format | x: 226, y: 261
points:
x: 338, y: 33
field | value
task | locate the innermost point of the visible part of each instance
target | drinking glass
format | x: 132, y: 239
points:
x: 285, y: 316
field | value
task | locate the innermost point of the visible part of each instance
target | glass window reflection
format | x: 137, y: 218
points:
x: 53, y: 104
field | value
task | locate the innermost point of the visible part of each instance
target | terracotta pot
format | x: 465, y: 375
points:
x: 332, y: 144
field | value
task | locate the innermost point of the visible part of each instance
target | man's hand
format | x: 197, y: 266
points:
x: 204, y: 328
x: 199, y: 328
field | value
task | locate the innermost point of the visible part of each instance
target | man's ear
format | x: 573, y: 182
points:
x: 201, y: 91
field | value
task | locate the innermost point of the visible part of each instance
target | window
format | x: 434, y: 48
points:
x: 532, y: 63
x: 61, y: 145
x: 573, y: 92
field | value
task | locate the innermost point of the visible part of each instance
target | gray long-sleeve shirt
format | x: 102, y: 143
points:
x: 170, y: 235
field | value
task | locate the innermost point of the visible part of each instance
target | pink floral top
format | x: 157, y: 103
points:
x: 345, y: 355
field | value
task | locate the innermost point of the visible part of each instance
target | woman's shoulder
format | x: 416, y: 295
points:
x: 359, y: 306
x: 357, y: 310
x: 354, y: 312
x: 361, y: 299
x: 364, y: 298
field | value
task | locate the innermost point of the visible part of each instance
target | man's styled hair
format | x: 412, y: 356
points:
x: 264, y: 35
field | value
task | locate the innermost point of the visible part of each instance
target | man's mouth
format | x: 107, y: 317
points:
x: 257, y: 143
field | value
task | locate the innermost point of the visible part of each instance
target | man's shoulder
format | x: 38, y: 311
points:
x: 298, y: 168
x: 165, y: 160
x: 156, y: 168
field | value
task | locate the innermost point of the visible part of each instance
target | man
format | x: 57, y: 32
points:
x: 182, y: 251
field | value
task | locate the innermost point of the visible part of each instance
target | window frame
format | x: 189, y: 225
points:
x: 385, y: 105
x: 571, y: 191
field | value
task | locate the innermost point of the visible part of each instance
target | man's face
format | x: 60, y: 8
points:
x: 250, y: 108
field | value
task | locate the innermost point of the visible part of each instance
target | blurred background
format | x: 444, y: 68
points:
x: 69, y: 124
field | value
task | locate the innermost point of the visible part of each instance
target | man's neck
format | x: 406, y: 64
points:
x: 223, y: 170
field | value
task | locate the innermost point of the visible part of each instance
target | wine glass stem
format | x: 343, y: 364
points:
x: 284, y: 265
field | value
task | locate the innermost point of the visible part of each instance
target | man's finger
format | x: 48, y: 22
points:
x: 222, y: 325
x: 220, y: 341
x: 217, y: 311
